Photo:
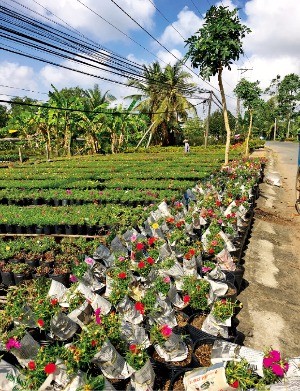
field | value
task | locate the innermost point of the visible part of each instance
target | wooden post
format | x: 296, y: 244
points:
x: 20, y: 155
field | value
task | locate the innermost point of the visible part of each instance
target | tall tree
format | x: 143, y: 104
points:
x: 164, y: 96
x: 214, y: 47
x: 289, y: 97
x: 3, y: 116
x: 249, y: 93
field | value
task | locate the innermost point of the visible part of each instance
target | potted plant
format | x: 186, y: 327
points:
x: 196, y: 292
x: 21, y: 272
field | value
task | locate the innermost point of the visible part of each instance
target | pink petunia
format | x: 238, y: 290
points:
x: 166, y: 330
x: 89, y: 261
x: 275, y: 355
x: 12, y: 343
x: 167, y: 280
x: 267, y: 362
x: 277, y: 370
x: 73, y: 278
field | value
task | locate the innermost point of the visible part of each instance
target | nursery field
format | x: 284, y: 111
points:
x: 95, y: 194
x: 154, y: 297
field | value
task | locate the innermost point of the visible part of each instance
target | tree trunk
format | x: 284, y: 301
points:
x: 248, y: 135
x: 225, y: 115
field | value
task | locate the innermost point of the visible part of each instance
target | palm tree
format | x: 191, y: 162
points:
x: 164, y: 98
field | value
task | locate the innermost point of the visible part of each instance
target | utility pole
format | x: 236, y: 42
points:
x: 207, y: 120
x: 238, y: 103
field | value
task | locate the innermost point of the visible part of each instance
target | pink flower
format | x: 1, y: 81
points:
x: 68, y: 191
x: 214, y: 243
x: 167, y: 280
x: 166, y: 330
x: 267, y: 362
x: 275, y: 355
x: 121, y: 259
x: 12, y: 343
x: 89, y: 261
x: 97, y: 315
x: 133, y: 238
x: 73, y: 278
x: 277, y: 370
x: 206, y: 269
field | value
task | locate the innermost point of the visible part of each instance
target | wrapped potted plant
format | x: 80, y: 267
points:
x: 144, y: 376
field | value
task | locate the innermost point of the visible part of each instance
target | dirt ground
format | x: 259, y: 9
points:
x: 271, y: 294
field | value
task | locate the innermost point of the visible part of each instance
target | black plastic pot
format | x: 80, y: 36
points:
x: 21, y: 277
x: 7, y: 278
x: 62, y: 278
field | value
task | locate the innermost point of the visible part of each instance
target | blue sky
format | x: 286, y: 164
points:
x: 272, y: 48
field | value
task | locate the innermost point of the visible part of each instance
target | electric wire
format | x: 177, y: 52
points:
x: 23, y: 89
x: 171, y: 24
x: 110, y: 54
x: 111, y: 111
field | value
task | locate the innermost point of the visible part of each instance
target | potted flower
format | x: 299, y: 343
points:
x: 274, y: 366
x: 138, y: 359
x: 240, y: 375
x: 224, y: 309
x: 61, y: 273
x: 41, y: 271
x: 7, y: 276
x: 21, y: 272
x: 196, y: 292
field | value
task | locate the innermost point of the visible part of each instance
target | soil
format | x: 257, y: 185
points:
x: 177, y: 386
x: 203, y: 354
x: 271, y: 290
x: 181, y: 319
x: 198, y: 321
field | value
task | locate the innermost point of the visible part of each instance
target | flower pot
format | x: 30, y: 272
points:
x: 21, y: 277
x: 231, y: 293
x: 69, y: 230
x: 64, y: 202
x: 32, y: 262
x: 58, y: 229
x: 62, y: 278
x: 47, y: 229
x: 39, y: 230
x: 7, y: 278
x: 90, y: 230
x: 81, y: 229
x: 202, y: 350
x: 30, y: 229
x: 197, y: 319
x: 176, y: 382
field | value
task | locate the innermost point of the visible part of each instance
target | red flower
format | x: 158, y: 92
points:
x: 133, y: 348
x: 141, y: 265
x: 211, y: 251
x: 93, y: 342
x: 150, y: 260
x: 179, y: 223
x: 53, y: 301
x: 186, y: 299
x: 122, y: 275
x: 140, y: 246
x: 235, y: 384
x: 188, y: 256
x: 218, y: 203
x: 50, y: 368
x: 41, y: 323
x: 151, y: 240
x: 31, y: 365
x: 192, y: 251
x: 170, y: 220
x: 140, y: 307
x: 223, y: 301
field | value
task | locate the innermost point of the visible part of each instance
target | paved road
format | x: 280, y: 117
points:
x: 270, y: 316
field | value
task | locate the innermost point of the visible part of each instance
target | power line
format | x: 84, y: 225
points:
x: 46, y: 106
x: 23, y: 89
x: 166, y: 19
x: 122, y: 32
x: 106, y: 52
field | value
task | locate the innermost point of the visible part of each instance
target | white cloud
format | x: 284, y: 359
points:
x: 275, y: 28
x: 93, y: 22
x: 187, y: 24
x: 169, y: 58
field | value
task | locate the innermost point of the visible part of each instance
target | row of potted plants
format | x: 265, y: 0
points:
x: 134, y: 292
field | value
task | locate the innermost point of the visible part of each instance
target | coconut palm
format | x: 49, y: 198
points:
x: 164, y: 97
